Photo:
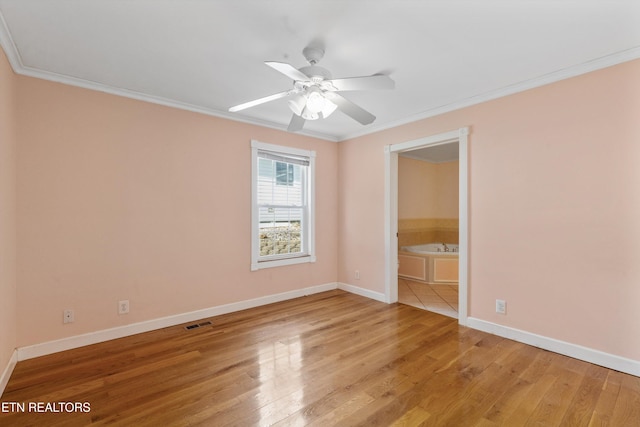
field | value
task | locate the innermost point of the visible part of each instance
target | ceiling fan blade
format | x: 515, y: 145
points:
x: 296, y: 123
x: 288, y: 70
x: 352, y: 110
x: 363, y: 83
x: 260, y: 101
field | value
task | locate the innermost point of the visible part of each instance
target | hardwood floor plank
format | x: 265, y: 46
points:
x: 554, y: 403
x: 530, y: 401
x: 627, y: 409
x: 540, y: 364
x: 507, y: 404
x: 342, y: 411
x: 326, y: 359
x: 581, y: 408
x: 519, y: 362
x: 483, y: 422
x: 607, y: 401
x: 416, y: 416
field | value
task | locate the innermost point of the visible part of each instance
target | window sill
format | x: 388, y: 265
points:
x: 282, y: 262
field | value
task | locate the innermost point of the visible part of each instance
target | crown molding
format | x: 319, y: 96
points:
x: 127, y: 93
x: 6, y: 41
x: 573, y: 71
x: 9, y: 47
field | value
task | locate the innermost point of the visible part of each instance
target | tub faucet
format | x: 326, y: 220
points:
x: 446, y: 248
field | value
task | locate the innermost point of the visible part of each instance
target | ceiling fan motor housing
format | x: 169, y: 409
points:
x: 316, y: 73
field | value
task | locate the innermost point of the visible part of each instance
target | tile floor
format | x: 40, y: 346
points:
x: 441, y: 299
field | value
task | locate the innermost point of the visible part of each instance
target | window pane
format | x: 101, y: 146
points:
x: 280, y: 231
x: 265, y: 168
x: 282, y: 174
x: 279, y: 183
x: 266, y: 176
x: 273, y: 191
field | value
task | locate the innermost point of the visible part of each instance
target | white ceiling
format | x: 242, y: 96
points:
x: 207, y: 55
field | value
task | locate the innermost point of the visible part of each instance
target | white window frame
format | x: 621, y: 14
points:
x: 258, y: 262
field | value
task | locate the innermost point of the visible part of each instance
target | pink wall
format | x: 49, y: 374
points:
x: 427, y: 190
x: 121, y: 199
x: 554, y: 188
x: 448, y: 194
x: 7, y: 214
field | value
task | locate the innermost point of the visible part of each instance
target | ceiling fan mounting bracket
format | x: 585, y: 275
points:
x: 313, y: 54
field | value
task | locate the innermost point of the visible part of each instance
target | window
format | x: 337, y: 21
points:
x: 282, y: 201
x: 284, y: 173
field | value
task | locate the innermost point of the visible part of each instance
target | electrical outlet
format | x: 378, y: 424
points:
x: 68, y: 316
x: 358, y: 274
x: 123, y: 306
x: 501, y: 306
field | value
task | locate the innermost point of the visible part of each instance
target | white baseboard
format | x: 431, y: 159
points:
x: 590, y: 355
x: 36, y: 350
x: 597, y: 357
x: 362, y: 292
x: 8, y: 370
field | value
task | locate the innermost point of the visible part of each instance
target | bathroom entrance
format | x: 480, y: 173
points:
x: 426, y: 223
x: 428, y: 228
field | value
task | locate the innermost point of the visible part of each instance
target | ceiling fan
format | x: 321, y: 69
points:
x: 315, y: 94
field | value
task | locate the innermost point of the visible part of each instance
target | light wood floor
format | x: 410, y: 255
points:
x: 329, y: 359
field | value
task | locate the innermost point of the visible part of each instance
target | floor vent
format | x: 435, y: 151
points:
x: 197, y: 325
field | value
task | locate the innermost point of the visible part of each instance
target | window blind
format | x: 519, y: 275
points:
x: 296, y: 160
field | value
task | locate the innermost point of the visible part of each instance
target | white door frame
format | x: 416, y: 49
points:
x: 391, y: 212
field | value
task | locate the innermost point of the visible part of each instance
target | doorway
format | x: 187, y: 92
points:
x: 428, y: 228
x: 459, y: 136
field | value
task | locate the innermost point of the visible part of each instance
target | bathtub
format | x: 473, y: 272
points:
x: 432, y: 249
x: 430, y: 263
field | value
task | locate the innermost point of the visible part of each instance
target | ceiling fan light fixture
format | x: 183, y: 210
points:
x: 312, y: 105
x: 329, y: 107
x: 315, y: 100
x: 297, y: 104
x: 310, y: 115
